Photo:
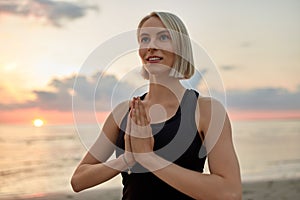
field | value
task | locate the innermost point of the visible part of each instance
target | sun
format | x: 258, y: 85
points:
x: 38, y: 122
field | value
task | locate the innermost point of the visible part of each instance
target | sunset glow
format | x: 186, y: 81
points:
x: 248, y: 61
x: 38, y: 122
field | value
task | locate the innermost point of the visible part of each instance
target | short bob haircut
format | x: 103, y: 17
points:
x: 183, y: 67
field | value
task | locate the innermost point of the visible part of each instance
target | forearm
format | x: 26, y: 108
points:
x: 89, y: 175
x: 192, y: 183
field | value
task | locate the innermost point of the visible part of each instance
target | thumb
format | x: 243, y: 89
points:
x: 127, y: 134
x: 128, y: 124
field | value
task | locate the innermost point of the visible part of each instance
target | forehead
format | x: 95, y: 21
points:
x: 153, y: 22
x: 152, y: 25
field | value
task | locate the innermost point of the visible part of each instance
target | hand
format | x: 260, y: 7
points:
x: 128, y: 151
x: 141, y: 138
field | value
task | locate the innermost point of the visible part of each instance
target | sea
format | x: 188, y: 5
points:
x: 42, y: 160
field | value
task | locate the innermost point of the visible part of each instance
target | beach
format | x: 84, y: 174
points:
x: 267, y: 190
x: 259, y: 190
x: 37, y: 163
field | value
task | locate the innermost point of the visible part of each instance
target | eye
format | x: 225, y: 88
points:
x: 145, y: 39
x: 164, y: 37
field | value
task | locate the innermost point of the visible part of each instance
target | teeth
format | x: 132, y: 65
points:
x: 154, y: 58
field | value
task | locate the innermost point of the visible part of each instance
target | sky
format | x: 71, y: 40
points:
x: 47, y: 45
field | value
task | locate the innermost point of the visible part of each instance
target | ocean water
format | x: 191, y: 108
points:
x: 41, y: 160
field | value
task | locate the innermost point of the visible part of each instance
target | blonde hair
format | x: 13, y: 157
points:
x: 183, y: 67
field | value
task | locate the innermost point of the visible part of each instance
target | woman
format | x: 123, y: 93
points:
x: 164, y: 136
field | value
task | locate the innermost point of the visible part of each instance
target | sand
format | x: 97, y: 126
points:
x: 267, y: 190
x: 262, y: 190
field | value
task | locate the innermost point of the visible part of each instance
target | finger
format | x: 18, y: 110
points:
x: 138, y: 113
x: 128, y: 124
x: 146, y: 116
x: 133, y: 116
x: 134, y: 113
x: 142, y: 113
x: 134, y: 125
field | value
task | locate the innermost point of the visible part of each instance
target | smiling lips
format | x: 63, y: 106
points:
x: 154, y: 59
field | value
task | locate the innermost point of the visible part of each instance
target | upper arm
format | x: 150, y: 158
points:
x: 213, y: 121
x: 105, y: 144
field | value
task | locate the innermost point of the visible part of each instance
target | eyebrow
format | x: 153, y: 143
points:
x: 156, y: 33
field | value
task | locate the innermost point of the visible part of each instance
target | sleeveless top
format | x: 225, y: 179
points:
x: 176, y: 140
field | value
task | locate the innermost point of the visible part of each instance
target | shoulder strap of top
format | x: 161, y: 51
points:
x: 189, y: 106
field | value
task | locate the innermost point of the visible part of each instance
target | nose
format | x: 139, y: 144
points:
x: 150, y: 49
x: 151, y: 46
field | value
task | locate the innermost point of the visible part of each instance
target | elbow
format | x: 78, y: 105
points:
x: 233, y: 191
x: 75, y: 185
x: 235, y: 194
x: 227, y: 193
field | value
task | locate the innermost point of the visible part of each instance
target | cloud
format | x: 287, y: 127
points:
x: 102, y: 92
x: 53, y: 11
x: 228, y: 67
x: 94, y: 92
x: 276, y: 99
x: 99, y: 92
x: 246, y: 44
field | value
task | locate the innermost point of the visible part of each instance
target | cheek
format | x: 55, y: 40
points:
x: 171, y: 57
x: 142, y: 53
x: 169, y: 47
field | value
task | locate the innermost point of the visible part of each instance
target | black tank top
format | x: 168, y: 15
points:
x: 176, y: 140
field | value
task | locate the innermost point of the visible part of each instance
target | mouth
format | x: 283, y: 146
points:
x: 154, y: 59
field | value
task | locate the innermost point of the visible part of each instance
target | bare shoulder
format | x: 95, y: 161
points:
x: 209, y: 109
x: 208, y: 103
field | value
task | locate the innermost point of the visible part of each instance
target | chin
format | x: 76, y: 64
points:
x: 158, y: 72
x: 156, y: 68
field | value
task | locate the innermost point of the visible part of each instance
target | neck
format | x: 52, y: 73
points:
x: 164, y: 88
